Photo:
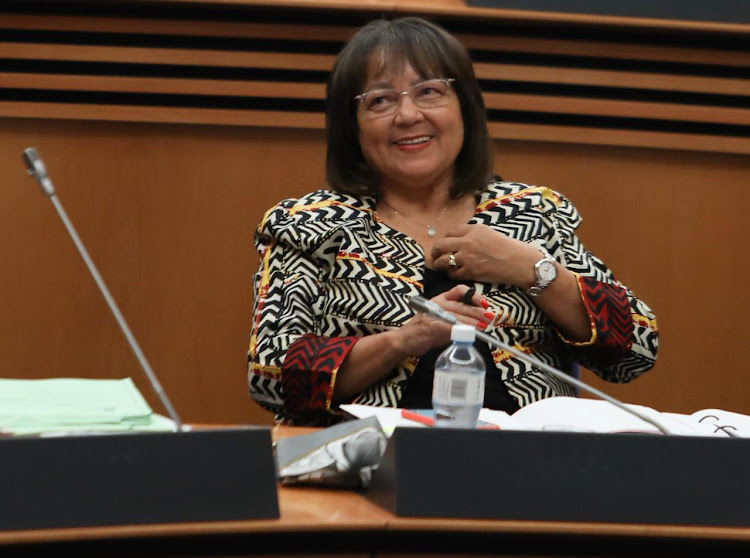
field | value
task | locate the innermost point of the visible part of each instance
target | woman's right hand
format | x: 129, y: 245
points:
x: 424, y: 332
x: 375, y: 355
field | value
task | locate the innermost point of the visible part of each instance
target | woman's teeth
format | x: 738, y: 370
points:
x: 413, y: 141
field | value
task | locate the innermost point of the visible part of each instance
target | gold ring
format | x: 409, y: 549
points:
x: 452, y: 261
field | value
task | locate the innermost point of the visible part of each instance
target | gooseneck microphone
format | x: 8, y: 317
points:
x: 424, y: 306
x: 38, y: 172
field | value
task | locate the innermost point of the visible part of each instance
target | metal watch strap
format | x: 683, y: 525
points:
x: 540, y: 285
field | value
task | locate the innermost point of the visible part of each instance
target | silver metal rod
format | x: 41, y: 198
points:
x: 421, y: 304
x: 38, y: 171
x: 559, y: 374
x: 118, y: 315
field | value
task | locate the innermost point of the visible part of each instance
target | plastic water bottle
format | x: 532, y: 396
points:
x: 458, y: 386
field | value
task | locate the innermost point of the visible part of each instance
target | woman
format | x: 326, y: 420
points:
x: 413, y: 210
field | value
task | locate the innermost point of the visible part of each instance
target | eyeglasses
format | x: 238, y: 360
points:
x: 428, y: 94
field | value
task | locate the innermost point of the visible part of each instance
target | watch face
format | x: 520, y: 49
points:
x: 546, y: 272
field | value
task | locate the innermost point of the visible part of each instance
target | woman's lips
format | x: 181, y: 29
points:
x: 413, y: 142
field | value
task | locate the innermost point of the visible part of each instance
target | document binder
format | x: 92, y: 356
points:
x: 565, y: 476
x: 142, y: 478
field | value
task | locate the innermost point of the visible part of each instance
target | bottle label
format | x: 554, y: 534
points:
x: 458, y: 388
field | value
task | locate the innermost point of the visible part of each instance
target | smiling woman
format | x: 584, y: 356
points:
x: 413, y: 145
x: 413, y: 209
x: 382, y: 50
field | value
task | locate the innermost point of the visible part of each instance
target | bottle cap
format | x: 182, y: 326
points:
x: 463, y: 333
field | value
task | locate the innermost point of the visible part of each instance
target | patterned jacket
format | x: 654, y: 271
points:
x: 331, y: 272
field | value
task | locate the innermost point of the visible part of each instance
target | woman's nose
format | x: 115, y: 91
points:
x: 407, y: 110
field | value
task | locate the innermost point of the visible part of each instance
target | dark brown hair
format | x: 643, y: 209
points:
x: 433, y: 53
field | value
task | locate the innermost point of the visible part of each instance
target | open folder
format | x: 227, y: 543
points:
x: 61, y: 405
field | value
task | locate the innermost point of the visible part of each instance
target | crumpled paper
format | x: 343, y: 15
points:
x: 344, y: 455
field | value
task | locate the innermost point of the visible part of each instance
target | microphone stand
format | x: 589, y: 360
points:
x: 38, y: 172
x: 421, y: 304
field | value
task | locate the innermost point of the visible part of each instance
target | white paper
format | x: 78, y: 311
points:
x: 388, y: 417
x: 573, y: 414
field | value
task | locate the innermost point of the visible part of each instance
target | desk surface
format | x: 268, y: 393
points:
x: 319, y: 521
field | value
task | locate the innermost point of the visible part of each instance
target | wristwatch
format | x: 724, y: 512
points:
x: 545, y: 271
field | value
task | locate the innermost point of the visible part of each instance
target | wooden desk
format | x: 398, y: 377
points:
x: 320, y: 522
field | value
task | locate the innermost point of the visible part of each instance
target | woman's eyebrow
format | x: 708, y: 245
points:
x: 380, y: 85
x: 389, y: 85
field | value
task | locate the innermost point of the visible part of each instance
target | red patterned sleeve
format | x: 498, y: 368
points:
x: 608, y: 307
x: 308, y: 373
x: 624, y: 334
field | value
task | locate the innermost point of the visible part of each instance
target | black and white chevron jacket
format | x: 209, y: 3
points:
x: 331, y: 272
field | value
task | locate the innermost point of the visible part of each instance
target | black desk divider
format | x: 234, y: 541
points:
x: 729, y: 11
x: 565, y: 476
x: 137, y: 478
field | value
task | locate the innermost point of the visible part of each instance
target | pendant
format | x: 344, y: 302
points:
x: 431, y: 230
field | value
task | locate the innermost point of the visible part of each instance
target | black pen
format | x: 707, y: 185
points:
x: 466, y: 299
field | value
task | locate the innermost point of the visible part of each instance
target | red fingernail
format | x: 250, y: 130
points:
x: 481, y: 325
x: 489, y: 315
x: 484, y: 303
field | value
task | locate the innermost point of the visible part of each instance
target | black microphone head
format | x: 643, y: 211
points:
x: 36, y: 169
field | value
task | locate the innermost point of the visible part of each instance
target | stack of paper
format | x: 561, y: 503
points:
x: 73, y: 405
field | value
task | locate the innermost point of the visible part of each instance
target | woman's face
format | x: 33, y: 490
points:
x: 413, y: 147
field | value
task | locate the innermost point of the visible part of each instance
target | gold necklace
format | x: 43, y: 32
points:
x: 431, y: 229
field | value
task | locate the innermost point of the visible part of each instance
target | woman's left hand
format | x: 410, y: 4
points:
x: 488, y: 256
x: 479, y: 253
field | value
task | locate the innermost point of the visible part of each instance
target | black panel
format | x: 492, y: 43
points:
x: 121, y: 479
x: 163, y: 100
x: 618, y: 123
x: 563, y: 476
x: 164, y: 40
x: 728, y: 11
x: 64, y: 67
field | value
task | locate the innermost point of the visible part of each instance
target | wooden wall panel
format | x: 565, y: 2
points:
x: 632, y: 122
x: 167, y: 212
x: 680, y: 86
x: 672, y: 227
